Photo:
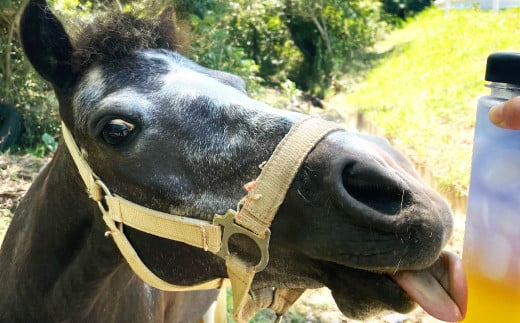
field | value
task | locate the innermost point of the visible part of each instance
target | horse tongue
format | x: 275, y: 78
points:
x: 440, y: 290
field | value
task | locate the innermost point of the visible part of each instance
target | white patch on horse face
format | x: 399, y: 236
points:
x: 183, y: 80
x: 90, y: 89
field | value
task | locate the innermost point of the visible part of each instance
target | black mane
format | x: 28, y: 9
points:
x: 114, y: 36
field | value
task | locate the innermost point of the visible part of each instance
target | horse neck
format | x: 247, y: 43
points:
x: 57, y: 266
x: 55, y: 246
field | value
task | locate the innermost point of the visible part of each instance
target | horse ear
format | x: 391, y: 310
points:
x: 166, y: 18
x: 167, y: 29
x: 46, y: 44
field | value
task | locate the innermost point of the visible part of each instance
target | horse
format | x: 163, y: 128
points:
x: 172, y: 136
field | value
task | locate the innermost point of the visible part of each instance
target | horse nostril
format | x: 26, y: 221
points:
x: 374, y: 187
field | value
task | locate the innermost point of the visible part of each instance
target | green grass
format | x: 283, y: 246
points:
x: 263, y: 315
x: 422, y: 92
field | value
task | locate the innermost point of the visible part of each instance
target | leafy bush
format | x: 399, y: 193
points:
x: 210, y: 46
x: 259, y: 28
x: 264, y: 42
x: 22, y: 87
x: 303, y: 40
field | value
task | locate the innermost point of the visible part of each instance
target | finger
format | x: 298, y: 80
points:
x: 507, y: 114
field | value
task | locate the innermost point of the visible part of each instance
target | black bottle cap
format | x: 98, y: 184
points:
x: 503, y: 67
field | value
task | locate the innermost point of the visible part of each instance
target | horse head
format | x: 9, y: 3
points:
x: 180, y: 138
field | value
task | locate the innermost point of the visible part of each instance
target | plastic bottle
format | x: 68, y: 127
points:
x: 491, y: 251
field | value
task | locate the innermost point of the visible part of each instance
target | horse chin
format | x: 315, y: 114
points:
x: 440, y: 289
x: 360, y: 294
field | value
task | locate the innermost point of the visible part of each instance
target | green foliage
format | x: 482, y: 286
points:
x: 423, y: 93
x: 211, y: 47
x: 330, y: 33
x: 303, y: 40
x: 289, y: 89
x: 264, y: 42
x: 257, y: 26
x: 399, y: 10
x: 195, y: 7
x: 21, y: 86
x: 264, y: 315
x: 6, y: 5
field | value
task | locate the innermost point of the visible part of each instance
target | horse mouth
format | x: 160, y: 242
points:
x: 439, y: 289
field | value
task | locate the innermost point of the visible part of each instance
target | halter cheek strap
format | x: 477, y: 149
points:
x: 118, y: 211
x: 253, y: 219
x: 261, y: 204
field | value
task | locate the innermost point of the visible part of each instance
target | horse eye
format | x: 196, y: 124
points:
x: 116, y: 131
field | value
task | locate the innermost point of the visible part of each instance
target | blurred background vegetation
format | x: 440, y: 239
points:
x: 413, y: 70
x: 422, y: 93
x: 269, y: 43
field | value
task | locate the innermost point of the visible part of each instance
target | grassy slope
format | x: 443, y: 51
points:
x: 422, y: 94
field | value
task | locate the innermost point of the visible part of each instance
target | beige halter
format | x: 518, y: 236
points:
x: 253, y: 219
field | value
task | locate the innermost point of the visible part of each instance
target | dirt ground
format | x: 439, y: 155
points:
x: 16, y: 175
x: 17, y: 172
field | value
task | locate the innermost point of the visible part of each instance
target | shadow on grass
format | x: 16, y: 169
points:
x: 357, y: 70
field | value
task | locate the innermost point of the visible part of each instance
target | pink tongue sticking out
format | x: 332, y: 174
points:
x: 440, y: 290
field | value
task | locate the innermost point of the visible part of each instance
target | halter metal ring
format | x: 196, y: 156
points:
x: 227, y: 221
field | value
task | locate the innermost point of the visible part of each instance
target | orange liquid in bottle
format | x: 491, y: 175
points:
x: 490, y: 300
x: 492, y: 235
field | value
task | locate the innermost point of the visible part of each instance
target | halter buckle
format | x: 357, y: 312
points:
x: 227, y: 221
x: 102, y: 191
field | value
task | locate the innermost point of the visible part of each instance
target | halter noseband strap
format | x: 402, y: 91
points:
x: 254, y: 217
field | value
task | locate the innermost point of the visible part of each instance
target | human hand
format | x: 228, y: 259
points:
x: 507, y: 114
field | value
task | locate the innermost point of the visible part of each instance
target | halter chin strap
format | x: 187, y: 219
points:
x: 253, y: 219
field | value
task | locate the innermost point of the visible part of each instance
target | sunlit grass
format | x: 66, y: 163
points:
x: 422, y: 94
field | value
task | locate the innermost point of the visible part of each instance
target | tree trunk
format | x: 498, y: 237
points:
x: 7, y: 55
x: 322, y: 29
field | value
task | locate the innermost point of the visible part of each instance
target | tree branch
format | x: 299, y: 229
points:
x: 311, y: 10
x: 322, y: 29
x: 4, y: 18
x: 7, y: 55
x: 119, y: 5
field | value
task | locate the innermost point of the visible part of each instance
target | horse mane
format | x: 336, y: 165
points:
x: 111, y: 37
